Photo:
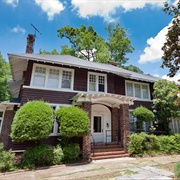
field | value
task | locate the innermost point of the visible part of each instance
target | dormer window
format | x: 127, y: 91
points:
x: 97, y: 82
x: 52, y: 77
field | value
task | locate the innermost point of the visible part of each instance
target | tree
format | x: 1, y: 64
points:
x: 73, y: 121
x: 118, y: 43
x: 85, y: 42
x: 133, y: 68
x: 4, y: 76
x: 171, y: 48
x: 32, y: 122
x: 164, y: 103
x: 143, y: 114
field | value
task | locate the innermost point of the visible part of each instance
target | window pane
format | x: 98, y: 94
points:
x: 53, y: 79
x: 101, y: 84
x: 129, y: 89
x: 145, y: 92
x: 137, y: 89
x: 39, y: 76
x: 66, y: 79
x: 1, y: 114
x: 92, y: 82
x: 97, y: 124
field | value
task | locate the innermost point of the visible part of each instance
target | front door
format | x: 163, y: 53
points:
x: 98, y: 128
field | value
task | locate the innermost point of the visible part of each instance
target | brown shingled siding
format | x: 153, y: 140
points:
x: 56, y: 97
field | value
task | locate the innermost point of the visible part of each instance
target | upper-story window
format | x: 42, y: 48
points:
x: 97, y: 82
x: 52, y: 77
x: 138, y: 90
x: 1, y: 120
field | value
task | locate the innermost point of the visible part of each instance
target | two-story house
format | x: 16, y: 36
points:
x: 108, y: 93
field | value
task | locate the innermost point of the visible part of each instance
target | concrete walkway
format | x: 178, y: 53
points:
x: 112, y: 169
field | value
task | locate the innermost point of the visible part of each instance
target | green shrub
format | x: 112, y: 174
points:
x: 71, y: 152
x: 136, y: 143
x: 6, y: 159
x: 177, y: 170
x: 152, y: 142
x: 143, y: 114
x: 32, y: 122
x: 73, y: 121
x: 177, y: 142
x: 167, y: 144
x: 41, y: 155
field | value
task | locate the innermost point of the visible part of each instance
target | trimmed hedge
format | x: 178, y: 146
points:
x: 73, y: 121
x: 142, y: 143
x: 32, y: 122
x: 41, y: 155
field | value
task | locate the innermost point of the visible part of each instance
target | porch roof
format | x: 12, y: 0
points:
x: 111, y: 100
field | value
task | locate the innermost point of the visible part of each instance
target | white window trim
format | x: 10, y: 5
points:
x: 55, y: 125
x: 97, y: 75
x: 134, y: 82
x: 47, y: 74
x: 2, y: 119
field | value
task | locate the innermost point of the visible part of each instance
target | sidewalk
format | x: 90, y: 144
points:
x: 112, y: 169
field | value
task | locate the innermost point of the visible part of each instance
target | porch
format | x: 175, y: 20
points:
x: 109, y: 126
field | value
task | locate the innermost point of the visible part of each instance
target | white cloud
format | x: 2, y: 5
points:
x: 51, y: 7
x: 13, y: 3
x: 18, y: 29
x: 175, y: 78
x: 153, y: 52
x: 106, y: 8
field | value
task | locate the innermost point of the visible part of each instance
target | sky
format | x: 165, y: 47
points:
x: 144, y: 20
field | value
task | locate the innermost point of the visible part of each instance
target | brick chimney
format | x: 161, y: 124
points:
x: 30, y: 44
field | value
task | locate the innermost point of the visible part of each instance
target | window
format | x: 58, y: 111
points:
x: 97, y: 124
x: 97, y: 82
x: 129, y: 89
x: 1, y: 120
x: 52, y: 77
x: 53, y: 80
x: 39, y: 76
x: 138, y: 90
x: 66, y: 79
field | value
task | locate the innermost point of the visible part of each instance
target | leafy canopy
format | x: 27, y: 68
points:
x: 164, y: 102
x: 143, y: 114
x: 4, y: 76
x: 73, y: 121
x: 171, y: 48
x: 32, y: 122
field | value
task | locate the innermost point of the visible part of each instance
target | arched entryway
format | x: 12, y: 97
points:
x: 100, y: 123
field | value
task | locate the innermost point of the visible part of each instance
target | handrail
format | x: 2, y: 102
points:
x: 110, y: 135
x: 93, y: 146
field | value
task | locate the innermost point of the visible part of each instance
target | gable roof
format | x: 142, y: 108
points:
x: 19, y: 62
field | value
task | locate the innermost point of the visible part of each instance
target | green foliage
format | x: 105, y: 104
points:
x: 133, y: 68
x: 171, y: 47
x: 85, y: 43
x: 4, y: 77
x: 73, y: 121
x: 142, y: 114
x: 177, y: 170
x: 118, y: 44
x: 142, y: 143
x: 164, y: 102
x: 41, y: 155
x: 168, y: 144
x: 136, y: 144
x: 6, y: 159
x: 32, y: 122
x: 71, y: 152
